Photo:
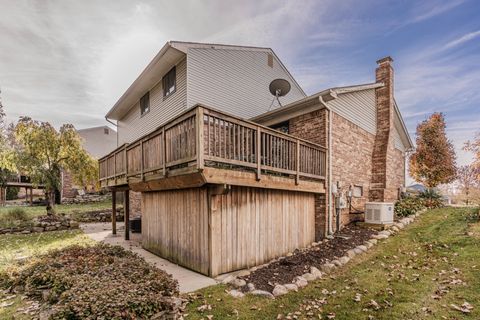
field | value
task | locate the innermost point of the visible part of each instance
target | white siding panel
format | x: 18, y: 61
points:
x: 132, y: 126
x: 234, y: 81
x: 358, y: 107
x: 397, y: 140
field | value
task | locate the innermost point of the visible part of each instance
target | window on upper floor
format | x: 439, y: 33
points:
x: 282, y: 127
x: 145, y: 104
x: 169, y: 82
x: 105, y: 131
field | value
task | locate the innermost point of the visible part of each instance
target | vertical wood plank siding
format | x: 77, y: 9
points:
x: 250, y: 226
x: 175, y: 226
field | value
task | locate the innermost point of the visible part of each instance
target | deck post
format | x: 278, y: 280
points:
x: 126, y: 213
x: 297, y: 163
x: 114, y: 212
x: 31, y: 196
x: 259, y: 154
x: 200, y: 141
x: 142, y: 161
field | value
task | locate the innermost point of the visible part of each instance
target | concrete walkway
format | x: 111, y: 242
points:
x: 188, y: 280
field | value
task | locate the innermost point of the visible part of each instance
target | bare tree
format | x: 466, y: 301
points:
x: 467, y: 179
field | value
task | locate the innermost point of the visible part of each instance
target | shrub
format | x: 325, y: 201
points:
x: 99, y: 282
x: 408, y: 206
x: 431, y: 198
x: 17, y: 215
x: 12, y: 193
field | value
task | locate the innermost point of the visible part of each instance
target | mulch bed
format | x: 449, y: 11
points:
x: 286, y: 269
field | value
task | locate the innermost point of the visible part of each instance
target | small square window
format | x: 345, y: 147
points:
x: 145, y: 104
x: 105, y: 131
x: 357, y: 191
x: 169, y: 82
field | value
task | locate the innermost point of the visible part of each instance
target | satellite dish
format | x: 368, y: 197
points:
x: 279, y: 88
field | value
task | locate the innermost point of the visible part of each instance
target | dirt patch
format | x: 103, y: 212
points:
x: 285, y: 270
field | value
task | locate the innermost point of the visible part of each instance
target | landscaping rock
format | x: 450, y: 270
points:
x: 316, y: 273
x: 300, y: 281
x: 74, y: 224
x: 399, y: 225
x: 344, y: 260
x: 309, y: 277
x: 337, y: 263
x: 291, y: 287
x: 351, y: 253
x: 236, y: 293
x: 385, y: 232
x: 37, y: 229
x: 262, y: 293
x: 250, y: 286
x: 368, y: 244
x: 357, y: 251
x: 373, y: 241
x: 394, y: 228
x: 363, y: 248
x: 243, y: 273
x: 228, y: 279
x: 237, y: 283
x: 327, y: 267
x: 279, y: 290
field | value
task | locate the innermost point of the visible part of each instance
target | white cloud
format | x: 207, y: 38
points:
x: 467, y: 37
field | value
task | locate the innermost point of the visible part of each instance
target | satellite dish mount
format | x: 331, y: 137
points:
x: 279, y: 88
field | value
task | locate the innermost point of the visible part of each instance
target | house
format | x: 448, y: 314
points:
x: 97, y: 141
x: 220, y: 192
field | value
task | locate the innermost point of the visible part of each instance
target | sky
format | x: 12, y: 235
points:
x: 69, y: 61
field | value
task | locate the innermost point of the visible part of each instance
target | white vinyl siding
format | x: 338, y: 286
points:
x: 133, y: 125
x: 235, y: 81
x: 358, y: 107
x: 397, y: 140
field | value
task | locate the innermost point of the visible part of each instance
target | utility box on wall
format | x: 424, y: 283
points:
x: 379, y: 212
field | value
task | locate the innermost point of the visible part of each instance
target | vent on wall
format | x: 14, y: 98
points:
x: 270, y: 60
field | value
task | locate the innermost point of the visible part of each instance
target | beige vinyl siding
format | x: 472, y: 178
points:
x: 133, y: 125
x: 235, y: 81
x: 358, y: 107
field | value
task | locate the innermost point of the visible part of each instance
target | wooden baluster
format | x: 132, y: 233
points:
x: 297, y: 163
x: 258, y: 153
x: 200, y: 139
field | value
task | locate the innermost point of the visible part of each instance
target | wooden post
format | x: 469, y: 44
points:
x: 114, y: 212
x: 259, y: 155
x: 164, y: 152
x: 141, y: 160
x: 31, y: 196
x: 200, y: 150
x: 1, y: 197
x: 126, y: 213
x: 297, y: 163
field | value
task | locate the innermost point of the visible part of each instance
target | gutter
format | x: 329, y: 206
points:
x: 329, y: 175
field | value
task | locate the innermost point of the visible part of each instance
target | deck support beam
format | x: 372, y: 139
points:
x: 114, y: 212
x: 31, y: 196
x: 126, y: 213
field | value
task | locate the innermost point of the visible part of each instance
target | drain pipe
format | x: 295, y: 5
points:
x: 329, y: 174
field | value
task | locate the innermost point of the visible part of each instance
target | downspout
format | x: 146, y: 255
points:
x: 329, y: 174
x: 116, y: 126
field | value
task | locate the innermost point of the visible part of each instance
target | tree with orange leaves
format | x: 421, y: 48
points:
x: 433, y: 162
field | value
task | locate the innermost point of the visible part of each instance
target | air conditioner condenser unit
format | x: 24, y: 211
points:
x: 379, y: 212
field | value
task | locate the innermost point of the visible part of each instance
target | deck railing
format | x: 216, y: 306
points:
x: 204, y: 137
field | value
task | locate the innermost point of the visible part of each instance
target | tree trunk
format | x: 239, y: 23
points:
x: 50, y: 197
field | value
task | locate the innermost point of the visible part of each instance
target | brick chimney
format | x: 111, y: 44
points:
x: 385, y: 109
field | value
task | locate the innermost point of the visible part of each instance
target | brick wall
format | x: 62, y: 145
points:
x: 352, y: 149
x: 313, y: 126
x: 68, y: 189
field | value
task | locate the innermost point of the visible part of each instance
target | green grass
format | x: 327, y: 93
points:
x: 17, y: 247
x: 32, y: 212
x: 402, y: 274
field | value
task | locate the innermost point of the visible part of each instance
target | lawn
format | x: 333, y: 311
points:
x: 419, y: 274
x: 18, y: 247
x: 32, y: 212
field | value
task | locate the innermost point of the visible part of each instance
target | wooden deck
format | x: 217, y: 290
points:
x: 203, y: 146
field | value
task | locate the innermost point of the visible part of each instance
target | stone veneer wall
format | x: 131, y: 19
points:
x: 313, y: 126
x: 135, y: 204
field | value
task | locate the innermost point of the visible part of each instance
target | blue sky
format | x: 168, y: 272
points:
x: 69, y: 61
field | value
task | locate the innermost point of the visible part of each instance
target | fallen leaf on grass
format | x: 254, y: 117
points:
x: 465, y: 307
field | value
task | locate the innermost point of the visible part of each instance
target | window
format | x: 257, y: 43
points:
x: 357, y: 191
x: 105, y: 131
x: 169, y: 83
x: 282, y: 127
x: 145, y: 104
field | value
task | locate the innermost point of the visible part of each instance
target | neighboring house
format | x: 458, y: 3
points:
x: 97, y: 141
x: 221, y: 193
